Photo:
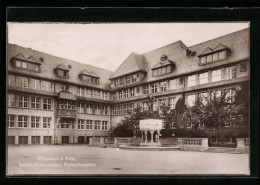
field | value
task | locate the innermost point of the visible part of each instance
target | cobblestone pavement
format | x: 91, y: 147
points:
x: 84, y: 160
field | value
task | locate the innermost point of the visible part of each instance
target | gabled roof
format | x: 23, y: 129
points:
x: 162, y: 63
x: 91, y: 73
x: 62, y: 66
x: 20, y: 56
x: 32, y: 59
x: 134, y: 62
x: 208, y: 50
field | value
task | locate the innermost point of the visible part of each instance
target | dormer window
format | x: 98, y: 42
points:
x: 88, y: 77
x: 62, y: 71
x: 164, y: 66
x: 30, y: 64
x: 212, y: 55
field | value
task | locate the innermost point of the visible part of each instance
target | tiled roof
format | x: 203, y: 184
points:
x: 67, y: 96
x: 133, y: 63
x: 51, y: 62
x: 91, y: 73
x: 20, y: 56
x: 62, y: 66
x: 209, y: 50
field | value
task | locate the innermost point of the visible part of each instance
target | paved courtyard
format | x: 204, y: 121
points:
x: 85, y: 160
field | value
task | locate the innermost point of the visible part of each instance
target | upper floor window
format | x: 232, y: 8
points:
x: 46, y: 122
x: 35, y: 102
x: 62, y: 71
x: 164, y: 66
x: 203, y: 78
x: 114, y: 110
x: 89, y: 109
x: 104, y: 125
x: 23, y: 121
x: 97, y: 124
x: 11, y: 121
x: 203, y: 97
x: 35, y: 122
x: 126, y: 93
x: 216, y: 75
x: 97, y: 109
x: 163, y: 86
x: 89, y: 124
x: 131, y: 107
x: 145, y: 89
x: 230, y: 95
x: 231, y: 72
x: 11, y: 80
x: 132, y: 92
x: 81, y: 123
x: 81, y: 91
x: 23, y: 101
x: 116, y: 82
x: 153, y: 88
x: 81, y: 107
x: 11, y: 100
x: 215, y: 94
x: 46, y: 86
x: 46, y: 103
x: 128, y: 79
x: 191, y: 100
x: 120, y: 110
x: 172, y: 102
x: 89, y: 93
x: 212, y: 55
x: 35, y: 84
x: 191, y: 80
x: 145, y: 106
x: 105, y: 110
x: 120, y: 94
x: 173, y: 84
x: 22, y: 82
x: 64, y: 124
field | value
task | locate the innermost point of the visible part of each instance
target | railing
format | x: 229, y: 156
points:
x: 63, y: 113
x: 192, y: 141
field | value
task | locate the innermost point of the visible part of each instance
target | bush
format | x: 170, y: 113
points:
x: 122, y: 131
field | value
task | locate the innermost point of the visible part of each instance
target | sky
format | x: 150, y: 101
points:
x: 108, y: 45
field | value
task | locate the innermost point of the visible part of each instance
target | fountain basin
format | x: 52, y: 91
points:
x: 149, y: 148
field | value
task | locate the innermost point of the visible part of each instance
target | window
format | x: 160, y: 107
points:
x: 131, y: 107
x: 81, y: 123
x: 104, y: 95
x: 46, y: 86
x: 209, y: 58
x: 22, y: 82
x: 116, y: 82
x: 132, y: 92
x: 46, y: 104
x: 104, y: 125
x: 216, y: 75
x: 89, y: 124
x: 203, y: 97
x: 23, y: 101
x: 163, y: 86
x: 172, y: 102
x: 133, y: 78
x: 21, y: 64
x: 64, y: 124
x: 126, y: 93
x: 191, y: 80
x: 231, y: 94
x: 81, y: 91
x: 11, y: 100
x: 66, y: 105
x: 97, y: 124
x: 155, y: 105
x: 97, y: 94
x: 35, y: 103
x: 105, y: 110
x: 62, y: 73
x: 33, y: 67
x: 120, y: 94
x: 35, y: 84
x: 35, y: 122
x: 203, y: 60
x: 191, y: 100
x: 89, y: 93
x: 153, y: 88
x: 23, y: 121
x: 46, y: 123
x: 11, y: 80
x: 145, y: 89
x: 216, y: 94
x: 128, y: 79
x: 125, y: 109
x: 173, y: 84
x: 230, y: 72
x: 181, y: 80
x: 80, y: 107
x: 114, y: 110
x: 145, y: 106
x: 11, y: 122
x: 203, y: 78
x: 222, y: 55
x: 89, y: 109
x: 97, y: 109
x: 121, y: 81
x: 119, y: 109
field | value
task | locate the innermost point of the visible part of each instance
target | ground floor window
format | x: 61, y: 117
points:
x: 35, y: 122
x: 97, y: 125
x: 11, y: 140
x: 65, y: 139
x: 64, y: 124
x: 36, y: 139
x: 88, y: 124
x: 46, y: 139
x: 81, y: 139
x: 23, y: 140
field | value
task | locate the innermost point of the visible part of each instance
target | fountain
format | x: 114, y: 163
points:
x: 150, y: 129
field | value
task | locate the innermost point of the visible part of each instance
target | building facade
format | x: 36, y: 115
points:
x: 52, y: 100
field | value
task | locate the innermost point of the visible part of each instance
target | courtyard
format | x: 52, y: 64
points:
x: 85, y: 160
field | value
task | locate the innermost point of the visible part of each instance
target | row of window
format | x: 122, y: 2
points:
x: 90, y: 93
x: 27, y: 65
x: 128, y: 79
x: 203, y: 78
x: 213, y: 57
x: 23, y: 121
x: 92, y: 109
x: 92, y: 124
x: 32, y: 102
x: 162, y: 70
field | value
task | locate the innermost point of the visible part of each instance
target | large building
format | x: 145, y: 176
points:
x: 55, y: 100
